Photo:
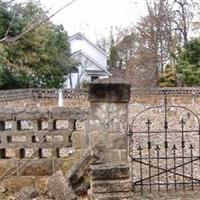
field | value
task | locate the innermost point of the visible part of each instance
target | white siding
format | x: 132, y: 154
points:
x: 89, y: 49
x: 91, y: 59
x: 86, y: 63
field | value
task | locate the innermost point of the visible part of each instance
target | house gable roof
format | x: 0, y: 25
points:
x: 92, y: 60
x: 94, y: 45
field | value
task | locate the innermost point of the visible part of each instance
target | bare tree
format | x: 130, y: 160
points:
x: 127, y: 49
x: 156, y: 35
x: 185, y: 11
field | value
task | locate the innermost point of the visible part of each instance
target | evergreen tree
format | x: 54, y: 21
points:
x: 39, y: 59
x: 168, y: 78
x: 188, y: 64
x: 113, y: 57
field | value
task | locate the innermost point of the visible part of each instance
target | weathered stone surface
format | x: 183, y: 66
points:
x: 65, y: 164
x: 59, y: 188
x: 62, y: 113
x: 15, y: 183
x: 79, y: 140
x: 109, y: 172
x: 6, y: 114
x: 118, y: 91
x: 105, y: 111
x: 108, y: 127
x: 27, y: 193
x: 39, y: 167
x: 6, y: 164
x: 42, y: 184
x: 75, y: 174
x: 110, y: 186
x: 112, y: 196
x: 2, y: 188
x: 76, y: 179
x: 82, y: 189
x: 114, y: 157
x: 31, y: 115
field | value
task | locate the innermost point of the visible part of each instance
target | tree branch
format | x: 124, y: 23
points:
x: 32, y: 27
x: 10, y: 25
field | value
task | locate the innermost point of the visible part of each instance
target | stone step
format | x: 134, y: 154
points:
x: 112, y: 196
x: 109, y: 172
x: 111, y: 186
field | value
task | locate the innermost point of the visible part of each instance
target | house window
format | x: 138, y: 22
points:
x: 93, y: 78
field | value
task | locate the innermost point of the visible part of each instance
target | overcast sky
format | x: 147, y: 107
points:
x: 95, y: 17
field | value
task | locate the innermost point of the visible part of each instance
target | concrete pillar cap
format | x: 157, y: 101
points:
x: 109, y: 90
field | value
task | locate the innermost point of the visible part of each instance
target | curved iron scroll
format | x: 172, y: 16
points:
x: 160, y: 166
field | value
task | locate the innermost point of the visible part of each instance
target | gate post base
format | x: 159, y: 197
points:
x: 110, y: 182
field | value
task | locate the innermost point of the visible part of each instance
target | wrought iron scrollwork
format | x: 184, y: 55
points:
x: 168, y: 165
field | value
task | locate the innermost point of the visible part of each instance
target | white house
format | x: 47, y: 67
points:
x: 92, y: 61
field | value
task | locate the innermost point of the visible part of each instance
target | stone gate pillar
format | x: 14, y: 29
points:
x: 108, y: 130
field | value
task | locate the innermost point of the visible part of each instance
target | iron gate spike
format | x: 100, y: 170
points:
x: 161, y: 178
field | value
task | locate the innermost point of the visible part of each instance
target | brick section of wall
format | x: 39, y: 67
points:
x: 37, y: 132
x: 12, y: 95
x: 35, y: 144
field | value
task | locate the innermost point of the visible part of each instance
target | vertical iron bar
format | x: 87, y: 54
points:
x: 166, y: 142
x: 191, y: 157
x: 183, y: 151
x: 141, y: 175
x: 174, y: 155
x: 130, y: 144
x: 149, y: 151
x: 199, y: 145
x: 158, y: 165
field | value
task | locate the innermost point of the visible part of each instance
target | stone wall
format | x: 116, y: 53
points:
x: 108, y: 129
x: 34, y: 144
x: 108, y: 121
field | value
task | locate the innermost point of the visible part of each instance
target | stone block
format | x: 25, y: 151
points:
x: 42, y: 184
x: 111, y: 141
x: 108, y: 112
x: 124, y: 155
x: 6, y: 115
x: 109, y: 186
x: 6, y: 164
x: 79, y: 140
x: 36, y: 167
x: 15, y: 183
x: 65, y: 164
x: 109, y: 172
x: 108, y: 127
x: 59, y: 188
x: 62, y: 113
x: 31, y: 115
x: 51, y: 124
x: 113, y: 157
x: 112, y: 196
x: 117, y: 141
x: 109, y: 92
x: 99, y: 111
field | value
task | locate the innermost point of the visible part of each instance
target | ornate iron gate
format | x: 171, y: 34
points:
x: 165, y: 155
